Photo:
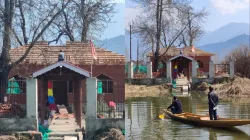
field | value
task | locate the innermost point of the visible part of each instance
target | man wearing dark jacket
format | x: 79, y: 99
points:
x: 213, y: 101
x: 176, y: 107
x: 61, y: 56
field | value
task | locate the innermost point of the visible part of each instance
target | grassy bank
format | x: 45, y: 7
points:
x: 227, y: 90
x: 144, y: 91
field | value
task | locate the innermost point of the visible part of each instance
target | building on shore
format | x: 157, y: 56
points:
x: 108, y: 68
x: 181, y: 60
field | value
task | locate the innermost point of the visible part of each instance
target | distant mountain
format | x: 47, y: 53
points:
x: 221, y: 40
x: 223, y: 48
x: 224, y: 33
x: 116, y: 44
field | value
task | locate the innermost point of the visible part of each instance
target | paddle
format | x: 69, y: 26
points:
x: 162, y: 116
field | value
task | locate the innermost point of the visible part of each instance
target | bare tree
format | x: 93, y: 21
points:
x: 24, y: 22
x: 83, y: 19
x: 194, y: 29
x: 145, y: 29
x: 166, y: 29
x: 241, y: 58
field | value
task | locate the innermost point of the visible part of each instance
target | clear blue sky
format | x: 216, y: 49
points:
x: 221, y: 12
x: 116, y: 27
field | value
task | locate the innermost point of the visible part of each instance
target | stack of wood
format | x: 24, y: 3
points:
x: 7, y: 110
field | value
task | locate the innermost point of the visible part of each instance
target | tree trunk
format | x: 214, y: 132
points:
x: 85, y: 30
x: 84, y: 21
x: 84, y: 35
x: 5, y: 57
x: 158, y: 34
x: 3, y: 83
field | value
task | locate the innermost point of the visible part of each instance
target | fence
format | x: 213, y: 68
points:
x: 14, y: 99
x: 110, y: 99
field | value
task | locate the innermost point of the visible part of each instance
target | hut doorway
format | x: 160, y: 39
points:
x: 60, y: 92
x: 61, y: 73
x: 181, y: 66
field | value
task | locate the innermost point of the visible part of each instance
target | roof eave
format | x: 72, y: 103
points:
x: 60, y: 64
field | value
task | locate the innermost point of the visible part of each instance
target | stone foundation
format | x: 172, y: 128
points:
x: 18, y: 124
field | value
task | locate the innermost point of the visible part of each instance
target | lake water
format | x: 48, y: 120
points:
x: 142, y: 122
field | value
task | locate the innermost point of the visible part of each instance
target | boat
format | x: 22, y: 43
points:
x: 204, y: 120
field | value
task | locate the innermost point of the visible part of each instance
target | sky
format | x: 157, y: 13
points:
x: 221, y: 12
x: 116, y: 27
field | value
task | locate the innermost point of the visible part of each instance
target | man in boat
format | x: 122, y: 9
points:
x: 213, y: 101
x: 176, y: 107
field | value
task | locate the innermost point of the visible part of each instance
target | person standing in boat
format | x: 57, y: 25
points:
x: 176, y: 106
x: 213, y: 101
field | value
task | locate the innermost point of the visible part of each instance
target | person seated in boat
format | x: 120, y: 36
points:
x: 213, y: 101
x: 176, y: 106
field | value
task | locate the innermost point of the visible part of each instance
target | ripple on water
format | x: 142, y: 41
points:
x: 142, y: 123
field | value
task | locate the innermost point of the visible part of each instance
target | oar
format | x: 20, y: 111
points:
x: 161, y: 116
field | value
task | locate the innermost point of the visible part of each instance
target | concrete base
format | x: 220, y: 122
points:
x: 94, y: 124
x: 70, y: 138
x: 37, y: 135
x: 148, y: 81
x: 18, y: 124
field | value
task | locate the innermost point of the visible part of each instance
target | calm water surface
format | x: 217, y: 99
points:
x: 142, y: 122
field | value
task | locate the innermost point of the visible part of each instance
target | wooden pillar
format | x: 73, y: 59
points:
x: 80, y: 102
x: 77, y: 101
x: 73, y: 92
x: 75, y: 98
x: 43, y: 99
x: 188, y: 74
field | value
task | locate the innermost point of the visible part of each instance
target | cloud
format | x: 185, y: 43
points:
x: 230, y: 6
x: 130, y: 14
x: 119, y: 1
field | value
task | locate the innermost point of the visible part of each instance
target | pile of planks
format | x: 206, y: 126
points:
x: 11, y: 110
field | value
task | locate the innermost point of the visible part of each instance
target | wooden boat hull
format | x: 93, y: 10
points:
x: 204, y: 120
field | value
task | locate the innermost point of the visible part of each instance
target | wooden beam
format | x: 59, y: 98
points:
x: 63, y: 77
x: 80, y: 102
x: 43, y: 99
x: 76, y: 103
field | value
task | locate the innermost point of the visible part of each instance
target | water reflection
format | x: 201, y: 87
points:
x: 212, y: 135
x: 142, y: 122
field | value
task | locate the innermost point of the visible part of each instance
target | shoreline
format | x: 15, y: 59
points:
x: 237, y: 88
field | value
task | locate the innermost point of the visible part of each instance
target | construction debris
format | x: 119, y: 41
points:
x: 109, y: 134
x: 7, y: 110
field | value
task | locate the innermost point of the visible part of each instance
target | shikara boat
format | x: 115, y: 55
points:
x: 204, y: 120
